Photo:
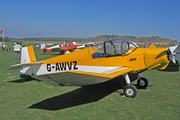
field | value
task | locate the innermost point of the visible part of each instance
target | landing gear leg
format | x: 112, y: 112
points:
x: 61, y: 52
x: 129, y: 90
x: 142, y: 82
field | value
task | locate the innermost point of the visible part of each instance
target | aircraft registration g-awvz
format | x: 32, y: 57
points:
x: 100, y: 63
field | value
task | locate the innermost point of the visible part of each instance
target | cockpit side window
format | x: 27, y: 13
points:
x: 114, y: 48
x: 118, y: 48
x: 109, y: 48
x: 124, y: 47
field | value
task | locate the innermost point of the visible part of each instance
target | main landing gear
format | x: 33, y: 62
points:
x: 130, y: 90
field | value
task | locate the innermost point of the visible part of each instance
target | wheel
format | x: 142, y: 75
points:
x: 130, y: 91
x: 142, y: 83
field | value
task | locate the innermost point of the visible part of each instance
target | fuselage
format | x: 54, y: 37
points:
x: 98, y: 63
x: 60, y: 48
x: 63, y: 68
x: 140, y: 58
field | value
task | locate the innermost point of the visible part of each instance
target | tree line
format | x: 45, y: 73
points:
x: 6, y: 39
x: 153, y: 39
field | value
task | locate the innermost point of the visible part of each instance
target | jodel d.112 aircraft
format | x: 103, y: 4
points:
x: 96, y: 64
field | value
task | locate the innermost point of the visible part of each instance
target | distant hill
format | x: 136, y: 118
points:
x: 153, y: 39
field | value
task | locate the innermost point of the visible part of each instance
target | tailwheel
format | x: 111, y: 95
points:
x: 130, y: 91
x: 28, y: 78
x: 142, y: 83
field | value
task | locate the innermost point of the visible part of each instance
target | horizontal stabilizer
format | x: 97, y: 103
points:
x: 24, y: 65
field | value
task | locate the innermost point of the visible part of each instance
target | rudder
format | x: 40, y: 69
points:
x: 27, y: 55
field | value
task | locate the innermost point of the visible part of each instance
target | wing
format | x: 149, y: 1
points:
x: 83, y: 77
x: 108, y: 73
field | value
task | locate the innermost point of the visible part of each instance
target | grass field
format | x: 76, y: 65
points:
x: 32, y: 100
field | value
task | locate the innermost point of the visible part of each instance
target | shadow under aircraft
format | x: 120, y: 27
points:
x: 83, y: 95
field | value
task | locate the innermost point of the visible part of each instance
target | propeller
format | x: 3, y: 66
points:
x: 172, y: 53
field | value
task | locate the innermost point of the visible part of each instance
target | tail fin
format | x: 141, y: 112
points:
x: 73, y: 42
x: 43, y: 46
x: 28, y: 62
x: 152, y: 46
x: 27, y: 55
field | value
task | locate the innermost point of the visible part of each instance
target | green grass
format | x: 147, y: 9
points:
x: 32, y: 100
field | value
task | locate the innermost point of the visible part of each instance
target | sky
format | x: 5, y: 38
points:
x: 90, y: 18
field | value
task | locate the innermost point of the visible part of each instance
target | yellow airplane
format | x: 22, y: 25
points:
x: 96, y: 64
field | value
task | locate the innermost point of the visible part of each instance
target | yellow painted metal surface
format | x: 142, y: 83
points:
x: 134, y: 60
x: 152, y: 46
x: 139, y: 59
x: 156, y: 57
x: 31, y: 53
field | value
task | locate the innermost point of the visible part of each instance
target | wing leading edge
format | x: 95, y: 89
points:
x: 108, y: 73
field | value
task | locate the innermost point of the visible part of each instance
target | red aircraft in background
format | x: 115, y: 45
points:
x: 62, y: 47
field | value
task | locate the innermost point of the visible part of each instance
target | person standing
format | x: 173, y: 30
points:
x: 17, y: 50
x: 4, y: 46
x: 37, y: 46
x: 146, y: 45
x: 9, y: 47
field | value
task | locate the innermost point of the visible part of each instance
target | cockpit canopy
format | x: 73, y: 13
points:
x: 115, y: 47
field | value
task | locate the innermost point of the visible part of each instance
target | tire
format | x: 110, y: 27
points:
x: 142, y: 83
x: 130, y: 91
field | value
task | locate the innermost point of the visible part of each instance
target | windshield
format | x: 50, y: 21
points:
x: 115, y: 47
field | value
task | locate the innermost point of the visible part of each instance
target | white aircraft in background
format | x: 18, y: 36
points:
x: 65, y: 47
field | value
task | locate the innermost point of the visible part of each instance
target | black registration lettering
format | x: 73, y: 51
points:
x: 63, y: 66
x: 69, y: 65
x: 57, y: 67
x: 75, y: 63
x: 49, y: 67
